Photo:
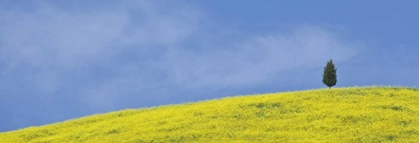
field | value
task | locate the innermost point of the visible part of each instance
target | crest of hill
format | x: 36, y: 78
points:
x: 355, y: 114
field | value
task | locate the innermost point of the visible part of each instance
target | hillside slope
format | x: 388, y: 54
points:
x: 357, y: 114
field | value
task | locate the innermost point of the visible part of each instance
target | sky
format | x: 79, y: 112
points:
x: 61, y: 60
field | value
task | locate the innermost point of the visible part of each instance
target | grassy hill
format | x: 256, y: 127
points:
x: 357, y: 114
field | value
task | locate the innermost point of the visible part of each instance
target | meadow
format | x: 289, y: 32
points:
x: 354, y: 114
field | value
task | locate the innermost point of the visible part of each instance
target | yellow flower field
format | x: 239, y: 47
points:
x: 355, y: 114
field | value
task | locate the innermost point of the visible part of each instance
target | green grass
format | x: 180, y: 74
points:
x: 356, y: 114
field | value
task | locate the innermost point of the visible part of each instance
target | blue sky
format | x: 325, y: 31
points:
x: 67, y: 59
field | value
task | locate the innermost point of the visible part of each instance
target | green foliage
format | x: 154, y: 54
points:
x: 330, y: 74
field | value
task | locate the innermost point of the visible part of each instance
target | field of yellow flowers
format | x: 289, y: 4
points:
x: 355, y: 114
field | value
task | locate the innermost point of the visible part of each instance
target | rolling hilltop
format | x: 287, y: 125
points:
x: 356, y: 114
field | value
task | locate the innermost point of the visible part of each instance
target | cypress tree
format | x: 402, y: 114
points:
x: 330, y: 76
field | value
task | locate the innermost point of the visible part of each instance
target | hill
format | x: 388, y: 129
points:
x: 356, y: 114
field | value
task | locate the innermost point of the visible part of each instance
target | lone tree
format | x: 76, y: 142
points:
x: 330, y: 76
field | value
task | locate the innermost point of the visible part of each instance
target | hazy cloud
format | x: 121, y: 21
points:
x: 144, y: 46
x: 258, y: 58
x: 51, y: 41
